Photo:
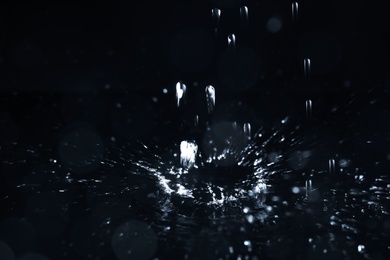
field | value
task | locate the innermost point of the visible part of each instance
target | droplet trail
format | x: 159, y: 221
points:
x: 210, y: 97
x: 244, y: 15
x: 196, y: 121
x: 294, y: 11
x: 180, y: 92
x: 216, y: 13
x: 309, y: 187
x: 309, y: 109
x: 306, y: 67
x: 247, y: 131
x: 332, y: 166
x: 231, y: 41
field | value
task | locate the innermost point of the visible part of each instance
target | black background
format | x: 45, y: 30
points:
x: 66, y: 64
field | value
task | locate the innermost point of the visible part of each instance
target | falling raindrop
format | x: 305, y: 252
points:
x: 234, y: 126
x: 244, y: 15
x: 309, y: 187
x: 332, y: 166
x: 210, y: 96
x: 196, y: 121
x: 309, y: 109
x: 247, y: 131
x: 231, y: 41
x: 306, y: 67
x: 294, y: 10
x: 180, y: 92
x: 216, y: 13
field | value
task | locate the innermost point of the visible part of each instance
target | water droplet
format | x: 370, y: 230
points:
x: 309, y: 187
x: 294, y: 11
x: 180, y: 92
x: 247, y: 243
x: 210, y: 96
x: 188, y: 151
x: 196, y: 121
x: 165, y: 91
x: 216, y: 13
x: 309, y: 109
x: 332, y: 166
x: 247, y: 131
x: 231, y: 41
x: 306, y: 67
x: 244, y: 15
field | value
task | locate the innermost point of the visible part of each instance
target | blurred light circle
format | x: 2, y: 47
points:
x: 274, y: 24
x: 273, y: 157
x: 19, y: 235
x: 80, y: 148
x: 134, y: 240
x: 192, y: 50
x: 88, y: 240
x: 298, y: 160
x: 239, y: 69
x: 83, y: 107
x: 343, y: 163
x: 133, y: 117
x: 6, y: 252
x: 47, y: 213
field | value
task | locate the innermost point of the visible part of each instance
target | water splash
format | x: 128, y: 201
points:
x: 188, y: 152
